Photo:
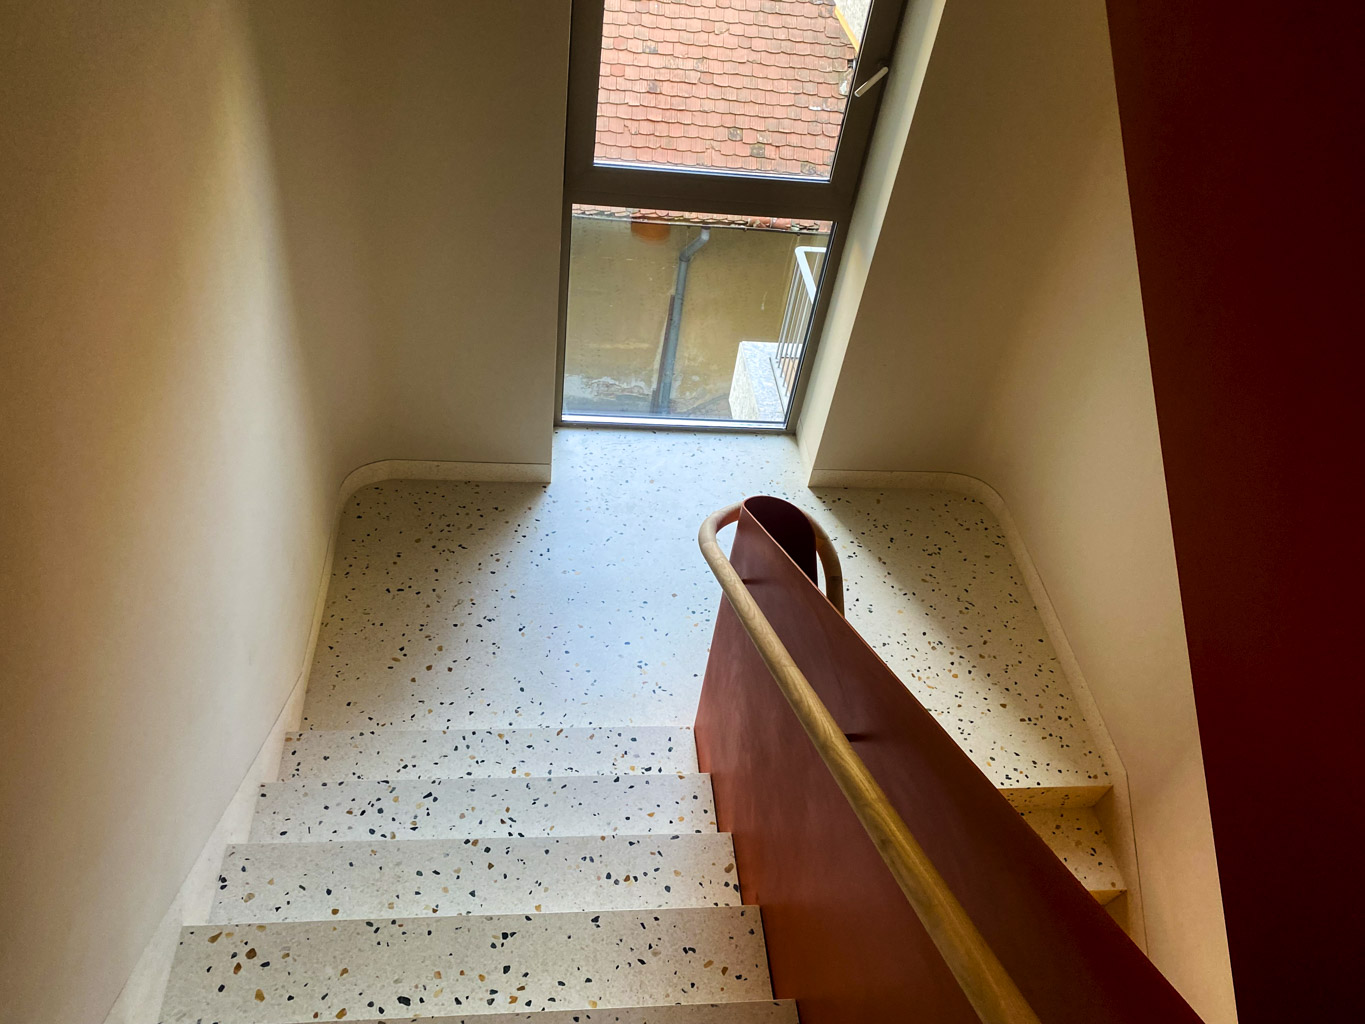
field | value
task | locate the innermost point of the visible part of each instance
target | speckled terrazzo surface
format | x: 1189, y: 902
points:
x: 493, y: 805
x: 449, y: 753
x: 586, y: 602
x: 308, y: 881
x: 1075, y: 835
x: 300, y: 811
x: 777, y: 1012
x: 275, y: 973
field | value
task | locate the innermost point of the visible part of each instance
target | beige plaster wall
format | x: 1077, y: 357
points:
x: 420, y: 156
x: 165, y: 492
x: 999, y: 334
x: 903, y: 85
x: 244, y: 249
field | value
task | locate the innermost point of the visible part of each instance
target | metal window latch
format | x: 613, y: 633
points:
x: 881, y: 73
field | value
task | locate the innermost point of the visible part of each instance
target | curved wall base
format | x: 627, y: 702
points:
x: 1115, y: 810
x: 419, y: 469
x: 140, y: 999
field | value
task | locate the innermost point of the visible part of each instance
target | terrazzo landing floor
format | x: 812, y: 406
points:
x: 585, y: 603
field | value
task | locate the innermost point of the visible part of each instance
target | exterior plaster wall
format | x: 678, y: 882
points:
x: 619, y: 291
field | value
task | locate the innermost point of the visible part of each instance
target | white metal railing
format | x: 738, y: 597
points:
x: 791, y: 339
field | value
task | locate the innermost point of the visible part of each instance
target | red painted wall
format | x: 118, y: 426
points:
x: 1241, y: 129
x: 841, y: 938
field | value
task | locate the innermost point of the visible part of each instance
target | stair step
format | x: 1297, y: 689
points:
x: 1075, y: 835
x: 1034, y: 798
x: 316, y: 881
x: 541, y: 694
x: 450, y: 754
x: 331, y: 970
x: 579, y: 805
x: 781, y: 1011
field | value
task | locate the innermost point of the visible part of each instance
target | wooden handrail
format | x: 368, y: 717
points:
x: 979, y: 972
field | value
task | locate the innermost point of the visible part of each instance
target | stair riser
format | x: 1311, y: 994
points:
x: 1043, y: 797
x: 318, y: 881
x: 447, y: 754
x: 466, y: 966
x: 777, y: 1012
x: 566, y: 701
x: 1075, y: 835
x: 483, y: 808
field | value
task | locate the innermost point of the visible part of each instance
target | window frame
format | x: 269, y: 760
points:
x: 711, y: 191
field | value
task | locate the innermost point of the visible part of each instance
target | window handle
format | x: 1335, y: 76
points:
x: 881, y: 73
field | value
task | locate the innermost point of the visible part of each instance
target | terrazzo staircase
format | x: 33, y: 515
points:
x: 570, y: 874
x: 460, y: 801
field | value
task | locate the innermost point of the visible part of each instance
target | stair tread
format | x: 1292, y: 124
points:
x: 286, y: 973
x: 305, y: 810
x: 473, y: 753
x: 1075, y: 835
x: 308, y: 881
x: 777, y: 1011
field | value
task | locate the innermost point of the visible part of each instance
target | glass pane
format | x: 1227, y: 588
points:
x: 688, y: 316
x: 747, y: 86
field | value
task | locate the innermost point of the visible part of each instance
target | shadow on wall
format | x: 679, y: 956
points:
x: 167, y: 477
x: 423, y: 235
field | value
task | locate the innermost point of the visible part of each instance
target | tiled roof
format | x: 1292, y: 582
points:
x: 748, y: 85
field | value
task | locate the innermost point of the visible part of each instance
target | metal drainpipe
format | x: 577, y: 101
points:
x: 668, y: 356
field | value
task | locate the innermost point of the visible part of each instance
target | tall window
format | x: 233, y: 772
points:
x: 714, y: 148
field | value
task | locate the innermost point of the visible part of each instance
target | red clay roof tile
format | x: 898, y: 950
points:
x: 776, y: 69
